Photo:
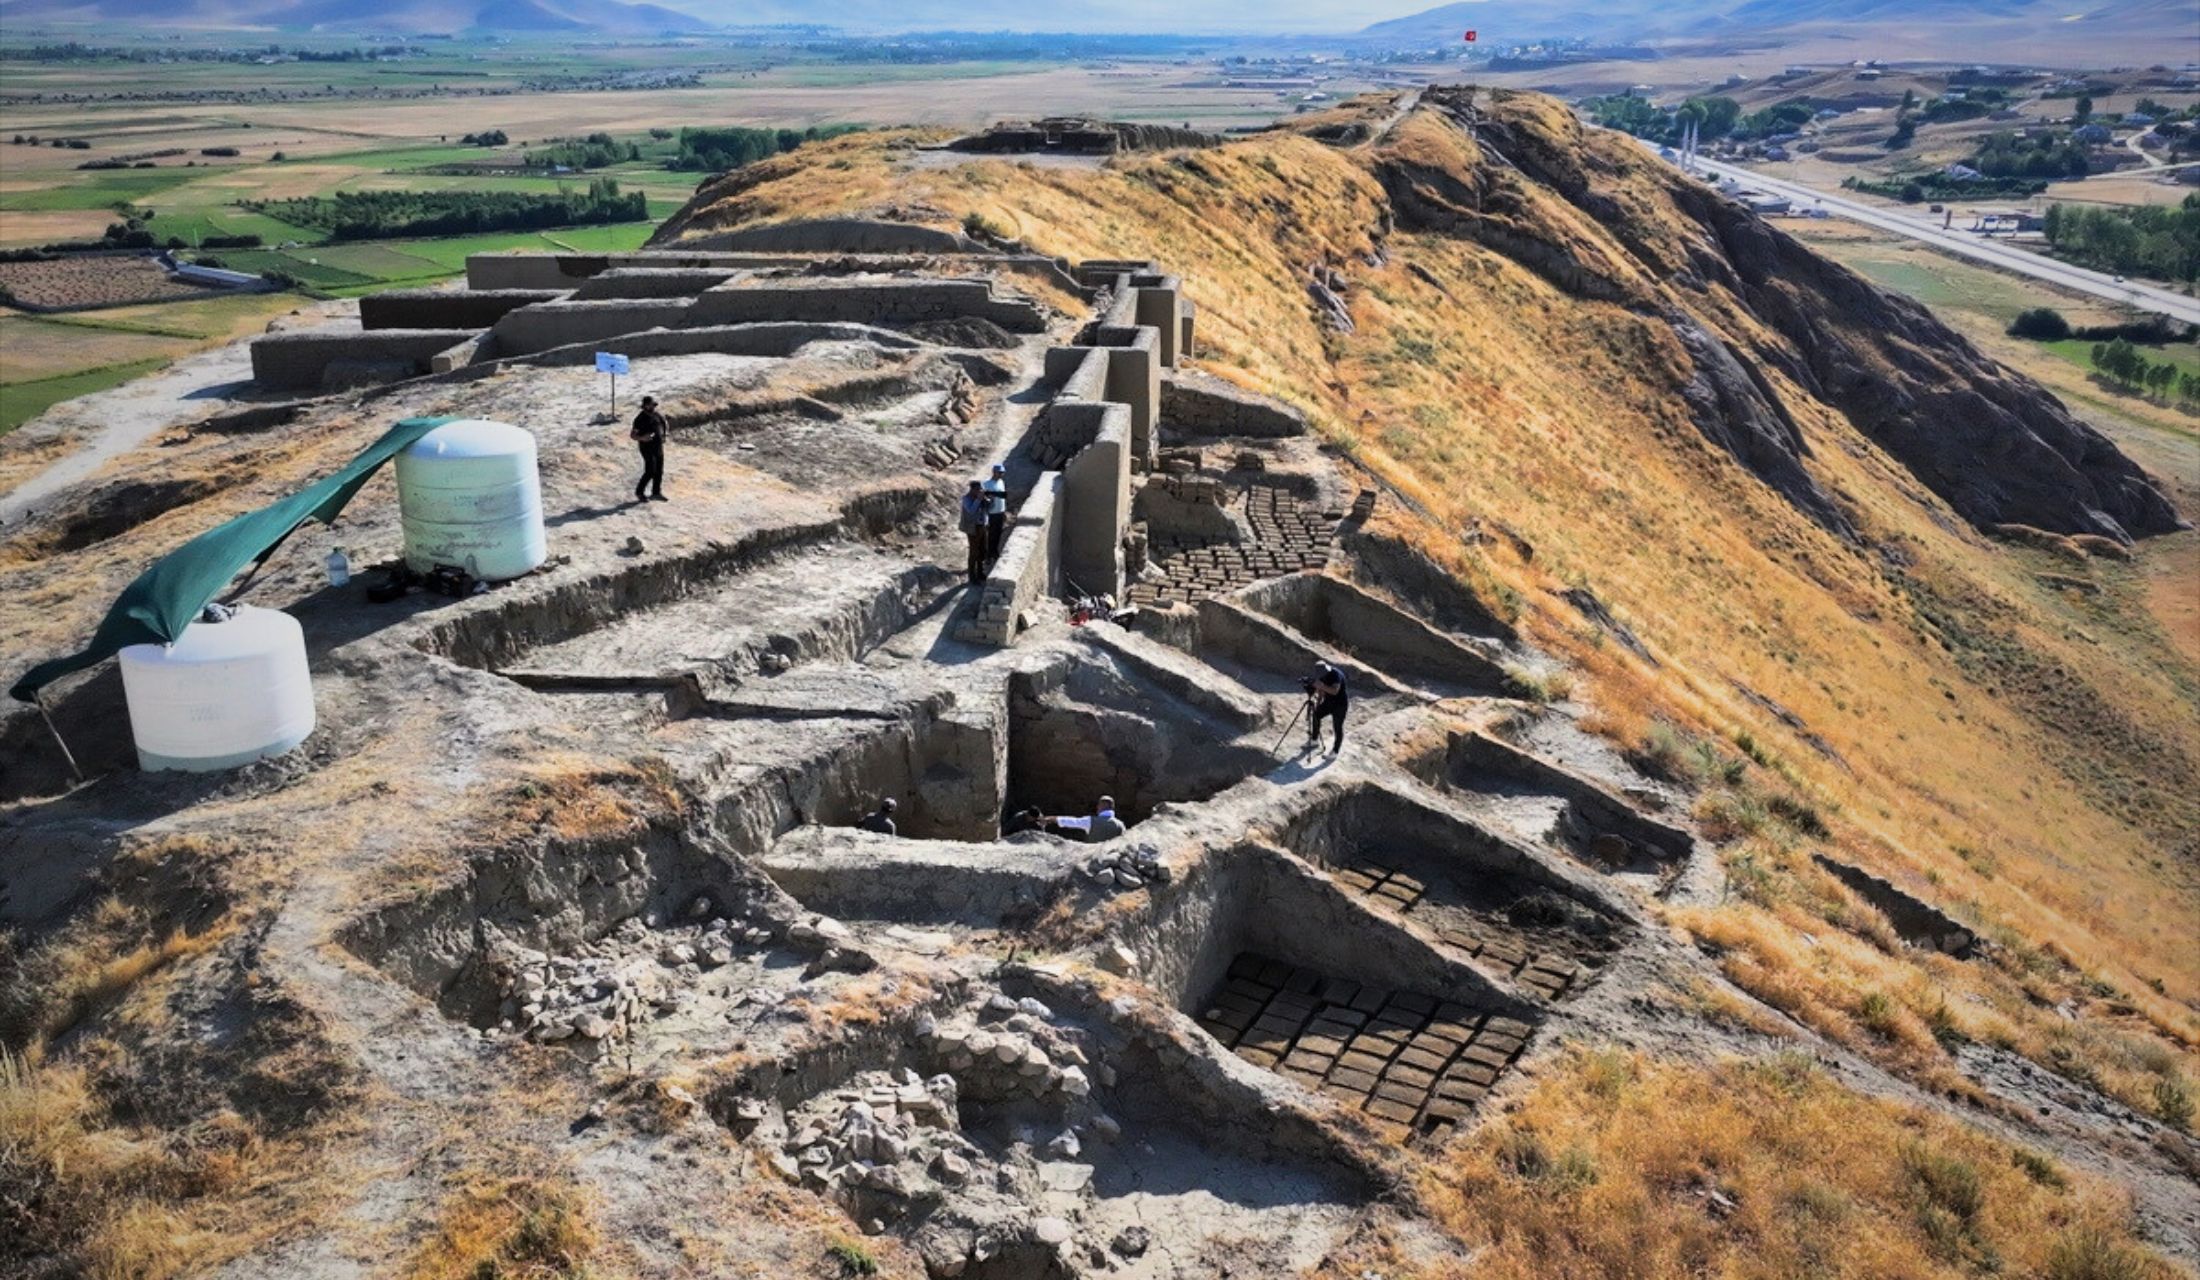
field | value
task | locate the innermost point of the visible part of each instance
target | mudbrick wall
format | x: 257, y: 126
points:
x: 1207, y: 406
x: 1028, y: 567
x: 445, y: 308
x: 306, y: 361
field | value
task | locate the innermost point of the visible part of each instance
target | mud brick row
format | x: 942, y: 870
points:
x: 1395, y: 887
x: 1401, y: 1056
x: 1549, y: 974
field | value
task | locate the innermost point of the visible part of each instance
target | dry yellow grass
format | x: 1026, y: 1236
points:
x: 1620, y: 1167
x: 508, y: 1227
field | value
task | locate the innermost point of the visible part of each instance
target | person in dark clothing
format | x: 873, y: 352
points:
x: 1028, y: 819
x: 648, y: 434
x: 975, y: 532
x: 996, y: 511
x: 1326, y: 692
x: 880, y: 819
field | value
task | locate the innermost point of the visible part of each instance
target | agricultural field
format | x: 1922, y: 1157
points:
x: 52, y: 358
x: 84, y: 282
x: 321, y: 129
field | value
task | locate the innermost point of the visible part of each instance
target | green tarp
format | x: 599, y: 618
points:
x: 168, y: 597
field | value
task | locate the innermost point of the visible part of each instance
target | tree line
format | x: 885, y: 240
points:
x: 1714, y: 116
x: 2124, y: 364
x: 2146, y: 240
x: 385, y: 215
x: 714, y: 149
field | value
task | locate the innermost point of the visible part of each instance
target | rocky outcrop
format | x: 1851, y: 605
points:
x: 1736, y: 409
x: 1992, y: 443
x: 1601, y: 220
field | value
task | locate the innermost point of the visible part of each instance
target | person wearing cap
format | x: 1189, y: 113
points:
x: 1326, y: 692
x: 974, y: 531
x: 648, y: 434
x: 996, y: 511
x: 1102, y: 825
x: 880, y: 819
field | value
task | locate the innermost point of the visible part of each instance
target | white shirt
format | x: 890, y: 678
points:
x: 996, y: 494
x: 1082, y: 824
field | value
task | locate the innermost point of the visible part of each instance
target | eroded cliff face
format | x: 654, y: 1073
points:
x: 1595, y: 216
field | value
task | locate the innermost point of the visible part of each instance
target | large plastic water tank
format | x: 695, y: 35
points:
x: 468, y: 494
x: 225, y: 694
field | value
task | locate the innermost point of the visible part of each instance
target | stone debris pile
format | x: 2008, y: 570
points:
x: 1127, y: 871
x: 1013, y: 1051
x: 893, y: 1134
x: 604, y: 987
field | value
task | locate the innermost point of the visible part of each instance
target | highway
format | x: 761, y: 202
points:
x: 1925, y: 229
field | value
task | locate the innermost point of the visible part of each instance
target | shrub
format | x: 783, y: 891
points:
x: 1538, y: 686
x: 2038, y: 1168
x: 1799, y: 814
x: 2043, y: 324
x: 2089, y: 1253
x: 854, y: 1259
x: 2173, y: 1101
x: 1948, y: 1183
x: 1876, y: 1012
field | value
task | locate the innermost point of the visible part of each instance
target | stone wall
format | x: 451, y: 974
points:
x: 1336, y: 613
x: 1029, y: 566
x: 311, y: 361
x: 558, y: 271
x: 1096, y: 495
x: 558, y: 324
x: 839, y: 235
x: 1202, y: 405
x: 868, y: 302
x: 652, y: 282
x: 445, y: 308
x: 779, y: 338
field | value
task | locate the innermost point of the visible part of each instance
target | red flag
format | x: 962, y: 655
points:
x: 1470, y: 37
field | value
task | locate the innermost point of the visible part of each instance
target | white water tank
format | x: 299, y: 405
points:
x: 225, y: 694
x: 468, y: 494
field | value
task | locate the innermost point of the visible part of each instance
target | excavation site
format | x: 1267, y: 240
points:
x: 1011, y: 800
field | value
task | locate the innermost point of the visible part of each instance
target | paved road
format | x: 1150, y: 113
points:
x: 1926, y: 230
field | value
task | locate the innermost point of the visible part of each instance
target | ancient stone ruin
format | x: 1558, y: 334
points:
x: 1021, y: 1054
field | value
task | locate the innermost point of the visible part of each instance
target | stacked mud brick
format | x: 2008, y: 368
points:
x: 1287, y: 537
x: 1548, y: 973
x: 1404, y: 1057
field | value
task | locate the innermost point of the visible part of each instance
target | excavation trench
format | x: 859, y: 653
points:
x: 1524, y: 795
x: 1475, y: 892
x: 500, y: 634
x: 1369, y: 630
x: 1292, y: 972
x: 560, y: 899
x: 1053, y: 737
x: 959, y: 1125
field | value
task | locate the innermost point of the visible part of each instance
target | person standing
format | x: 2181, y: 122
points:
x: 975, y: 532
x: 1326, y: 692
x: 648, y: 434
x: 996, y: 511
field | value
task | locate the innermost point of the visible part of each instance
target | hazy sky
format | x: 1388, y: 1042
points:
x: 1117, y: 15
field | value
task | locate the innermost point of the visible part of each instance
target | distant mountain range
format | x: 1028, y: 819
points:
x: 622, y: 16
x: 397, y: 16
x: 1505, y: 21
x: 1496, y: 21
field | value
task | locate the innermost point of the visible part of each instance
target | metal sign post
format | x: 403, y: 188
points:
x: 614, y: 365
